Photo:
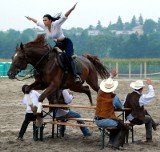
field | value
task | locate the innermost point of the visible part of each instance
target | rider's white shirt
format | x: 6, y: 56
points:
x: 56, y: 31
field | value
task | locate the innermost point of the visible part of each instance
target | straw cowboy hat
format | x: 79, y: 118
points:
x: 137, y: 84
x: 108, y: 85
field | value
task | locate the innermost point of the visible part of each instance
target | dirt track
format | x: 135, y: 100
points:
x: 12, y: 115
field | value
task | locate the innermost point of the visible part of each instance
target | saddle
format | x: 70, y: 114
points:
x: 64, y: 63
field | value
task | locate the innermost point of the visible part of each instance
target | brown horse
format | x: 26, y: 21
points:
x: 48, y: 73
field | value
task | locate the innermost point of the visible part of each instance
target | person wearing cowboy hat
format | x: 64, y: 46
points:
x: 107, y: 101
x: 136, y: 101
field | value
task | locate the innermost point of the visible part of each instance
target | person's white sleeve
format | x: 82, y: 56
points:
x: 61, y: 20
x: 40, y: 25
x: 24, y: 101
x: 146, y: 98
x: 67, y: 97
x: 37, y: 93
x: 34, y: 97
x: 29, y: 99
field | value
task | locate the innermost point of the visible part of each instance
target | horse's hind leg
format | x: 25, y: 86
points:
x: 92, y: 80
x: 88, y: 92
x: 83, y: 89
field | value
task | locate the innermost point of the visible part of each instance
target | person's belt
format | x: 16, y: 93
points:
x: 98, y: 118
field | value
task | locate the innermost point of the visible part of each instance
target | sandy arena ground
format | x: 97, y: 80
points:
x: 12, y: 114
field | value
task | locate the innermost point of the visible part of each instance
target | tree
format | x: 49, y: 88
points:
x: 126, y: 26
x: 158, y: 25
x: 133, y: 22
x: 119, y: 24
x: 149, y: 26
x: 99, y: 26
x: 28, y: 35
x: 140, y: 20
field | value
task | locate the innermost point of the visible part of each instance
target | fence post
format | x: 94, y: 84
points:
x: 117, y: 68
x: 141, y: 70
x: 129, y: 66
x: 145, y: 69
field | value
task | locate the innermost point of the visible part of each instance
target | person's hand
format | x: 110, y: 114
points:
x: 34, y: 109
x: 113, y: 72
x: 28, y: 18
x: 70, y: 92
x: 74, y: 6
x: 148, y: 81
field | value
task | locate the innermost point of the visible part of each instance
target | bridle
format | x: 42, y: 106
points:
x: 30, y: 71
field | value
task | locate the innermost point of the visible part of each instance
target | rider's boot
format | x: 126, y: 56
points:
x: 77, y: 78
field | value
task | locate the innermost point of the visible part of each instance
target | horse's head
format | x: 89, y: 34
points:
x: 19, y: 62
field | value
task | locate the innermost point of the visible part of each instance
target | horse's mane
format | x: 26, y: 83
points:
x: 38, y: 42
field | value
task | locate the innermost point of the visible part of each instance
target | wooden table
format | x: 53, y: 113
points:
x: 55, y: 106
x: 52, y: 113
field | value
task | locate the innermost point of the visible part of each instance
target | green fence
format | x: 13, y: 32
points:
x: 4, y: 67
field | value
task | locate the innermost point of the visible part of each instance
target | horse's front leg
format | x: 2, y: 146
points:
x: 34, y: 86
x: 51, y: 88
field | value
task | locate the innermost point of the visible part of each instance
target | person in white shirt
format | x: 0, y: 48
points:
x: 30, y: 110
x: 67, y: 97
x: 136, y: 101
x: 52, y: 29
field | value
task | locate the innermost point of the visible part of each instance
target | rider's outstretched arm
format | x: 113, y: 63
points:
x: 31, y: 19
x: 70, y: 10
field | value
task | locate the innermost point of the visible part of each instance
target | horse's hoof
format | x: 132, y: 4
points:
x: 39, y: 122
x: 40, y: 108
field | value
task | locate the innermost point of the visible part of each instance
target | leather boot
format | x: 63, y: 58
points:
x: 117, y: 142
x: 119, y: 139
x: 77, y: 78
x: 154, y: 125
x: 112, y: 135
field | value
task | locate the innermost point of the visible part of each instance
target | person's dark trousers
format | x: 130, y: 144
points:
x: 148, y: 126
x: 112, y: 135
x: 118, y: 137
x: 28, y: 117
x: 154, y: 124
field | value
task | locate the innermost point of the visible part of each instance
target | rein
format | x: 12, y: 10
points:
x: 24, y: 78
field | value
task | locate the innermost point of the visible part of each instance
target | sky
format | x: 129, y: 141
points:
x: 87, y: 12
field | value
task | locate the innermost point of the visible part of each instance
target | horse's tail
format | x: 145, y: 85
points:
x: 100, y: 68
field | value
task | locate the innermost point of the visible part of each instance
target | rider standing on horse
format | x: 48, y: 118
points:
x: 52, y: 28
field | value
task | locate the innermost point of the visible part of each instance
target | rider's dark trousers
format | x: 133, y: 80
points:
x: 67, y: 46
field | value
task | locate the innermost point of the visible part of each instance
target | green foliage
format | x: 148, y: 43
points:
x: 149, y: 26
x: 11, y: 38
x: 104, y: 44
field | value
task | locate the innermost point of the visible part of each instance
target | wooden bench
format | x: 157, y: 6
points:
x: 54, y: 121
x: 103, y: 130
x: 39, y: 130
x: 109, y: 128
